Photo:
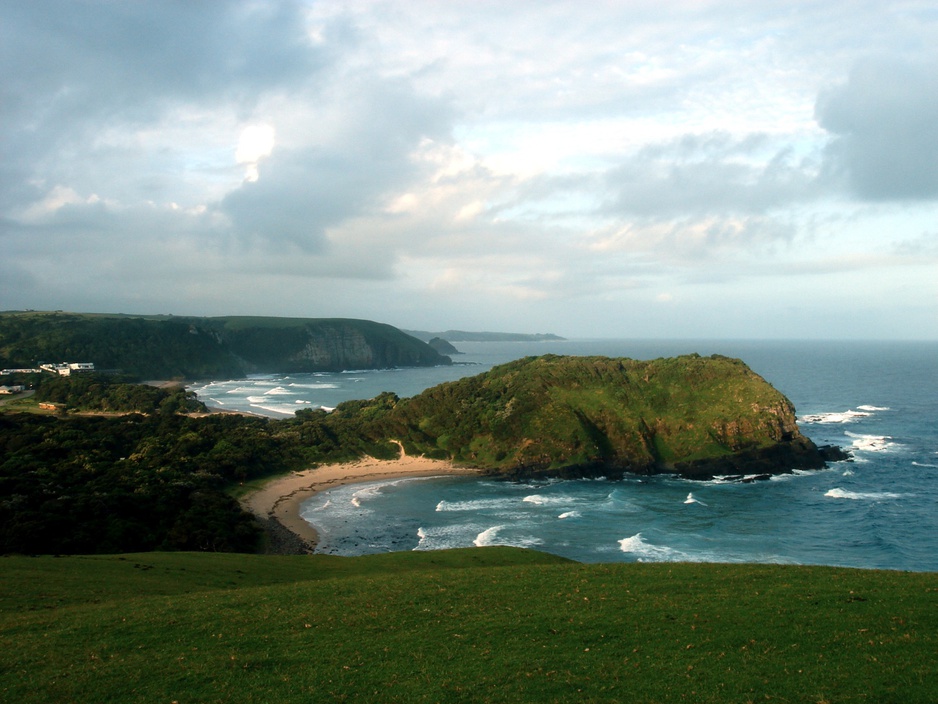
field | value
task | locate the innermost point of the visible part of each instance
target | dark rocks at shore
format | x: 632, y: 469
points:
x: 280, y: 540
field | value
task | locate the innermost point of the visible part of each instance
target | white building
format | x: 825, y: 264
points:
x: 67, y: 368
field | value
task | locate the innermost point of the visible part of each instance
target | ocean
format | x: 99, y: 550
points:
x: 879, y: 400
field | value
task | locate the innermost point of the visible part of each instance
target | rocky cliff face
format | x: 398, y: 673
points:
x: 335, y: 346
x: 326, y: 345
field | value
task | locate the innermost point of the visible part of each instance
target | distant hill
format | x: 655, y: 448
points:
x: 464, y: 336
x: 689, y: 415
x: 170, y: 347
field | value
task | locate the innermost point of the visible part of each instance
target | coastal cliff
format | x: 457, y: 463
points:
x: 174, y: 347
x: 324, y: 344
x: 595, y: 416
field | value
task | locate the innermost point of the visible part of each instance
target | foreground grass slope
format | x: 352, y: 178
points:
x: 477, y: 625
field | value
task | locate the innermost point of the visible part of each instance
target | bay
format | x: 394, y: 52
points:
x: 880, y: 510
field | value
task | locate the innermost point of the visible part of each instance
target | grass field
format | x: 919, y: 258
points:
x: 475, y: 625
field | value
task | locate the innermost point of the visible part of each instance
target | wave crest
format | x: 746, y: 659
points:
x: 838, y: 493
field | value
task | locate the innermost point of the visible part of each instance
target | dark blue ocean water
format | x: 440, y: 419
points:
x: 880, y: 510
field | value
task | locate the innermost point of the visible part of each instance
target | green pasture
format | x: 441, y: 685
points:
x: 474, y: 625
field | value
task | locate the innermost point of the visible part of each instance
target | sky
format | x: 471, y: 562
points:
x: 632, y: 168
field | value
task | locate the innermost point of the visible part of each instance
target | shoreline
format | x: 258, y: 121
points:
x: 279, y: 500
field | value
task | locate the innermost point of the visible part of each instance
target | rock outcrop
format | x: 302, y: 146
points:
x: 443, y: 346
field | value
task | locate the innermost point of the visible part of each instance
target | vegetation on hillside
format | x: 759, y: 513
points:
x: 167, y: 347
x: 95, y: 392
x: 158, y: 480
x: 686, y: 414
x: 473, y: 625
x: 164, y: 348
x: 152, y: 480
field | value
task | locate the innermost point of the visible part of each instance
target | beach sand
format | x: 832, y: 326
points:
x: 280, y: 498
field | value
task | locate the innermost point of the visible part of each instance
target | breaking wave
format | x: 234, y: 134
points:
x: 838, y: 493
x: 646, y: 552
x: 835, y: 417
x: 487, y: 537
x: 872, y: 443
x: 477, y: 505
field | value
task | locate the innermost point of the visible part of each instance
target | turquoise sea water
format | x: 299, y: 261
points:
x: 880, y: 400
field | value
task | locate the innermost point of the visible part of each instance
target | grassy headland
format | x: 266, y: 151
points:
x: 689, y: 415
x: 474, y: 625
x: 174, y: 347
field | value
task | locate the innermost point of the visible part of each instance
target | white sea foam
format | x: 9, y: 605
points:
x: 924, y: 464
x: 477, y: 505
x: 366, y: 494
x: 838, y: 493
x: 569, y: 514
x: 691, y: 500
x: 314, y: 386
x: 487, y: 537
x: 636, y: 545
x: 540, y: 500
x: 873, y: 408
x: 490, y: 536
x: 443, y: 537
x: 795, y: 474
x: 278, y: 391
x: 872, y: 443
x: 835, y: 417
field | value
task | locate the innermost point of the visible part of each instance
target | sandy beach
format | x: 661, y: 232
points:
x: 280, y: 498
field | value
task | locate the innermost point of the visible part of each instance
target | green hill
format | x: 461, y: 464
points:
x: 168, y: 347
x: 473, y: 625
x: 566, y: 415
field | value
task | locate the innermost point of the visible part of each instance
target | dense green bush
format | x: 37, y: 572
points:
x: 93, y: 484
x: 93, y: 392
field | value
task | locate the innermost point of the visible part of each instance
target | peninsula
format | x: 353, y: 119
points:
x: 597, y: 416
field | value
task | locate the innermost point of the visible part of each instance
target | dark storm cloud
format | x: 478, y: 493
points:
x: 885, y: 122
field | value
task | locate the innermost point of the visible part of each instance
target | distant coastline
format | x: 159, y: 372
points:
x: 466, y: 336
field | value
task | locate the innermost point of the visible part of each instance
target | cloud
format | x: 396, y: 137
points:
x: 119, y: 60
x: 302, y: 191
x: 883, y: 119
x: 99, y: 95
x: 710, y: 173
x: 433, y: 160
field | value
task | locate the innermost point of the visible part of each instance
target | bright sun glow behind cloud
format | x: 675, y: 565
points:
x: 256, y: 142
